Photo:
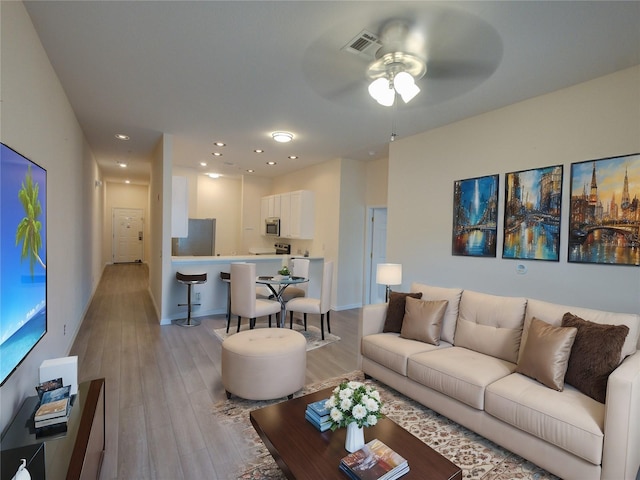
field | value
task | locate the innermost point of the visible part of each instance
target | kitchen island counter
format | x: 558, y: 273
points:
x: 213, y: 294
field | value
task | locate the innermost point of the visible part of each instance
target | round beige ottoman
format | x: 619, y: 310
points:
x: 264, y: 363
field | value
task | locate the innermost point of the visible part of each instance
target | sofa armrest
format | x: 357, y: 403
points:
x: 621, y: 454
x: 372, y: 319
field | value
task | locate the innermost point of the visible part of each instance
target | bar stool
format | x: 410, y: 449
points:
x: 189, y: 280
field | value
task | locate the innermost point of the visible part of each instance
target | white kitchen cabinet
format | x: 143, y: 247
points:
x: 301, y: 220
x: 285, y: 215
x: 296, y: 211
x: 269, y: 208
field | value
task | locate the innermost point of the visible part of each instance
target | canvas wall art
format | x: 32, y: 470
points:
x: 533, y: 201
x: 475, y: 216
x: 604, y: 219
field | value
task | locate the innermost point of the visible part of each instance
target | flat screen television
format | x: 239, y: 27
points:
x: 23, y: 258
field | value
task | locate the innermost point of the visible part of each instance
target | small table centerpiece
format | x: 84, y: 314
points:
x: 284, y: 272
x: 354, y: 405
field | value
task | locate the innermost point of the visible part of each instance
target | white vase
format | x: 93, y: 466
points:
x: 355, y: 437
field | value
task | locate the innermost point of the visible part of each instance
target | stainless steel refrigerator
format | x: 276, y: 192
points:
x: 200, y: 241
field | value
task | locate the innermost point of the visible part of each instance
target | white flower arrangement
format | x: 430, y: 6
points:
x: 354, y: 402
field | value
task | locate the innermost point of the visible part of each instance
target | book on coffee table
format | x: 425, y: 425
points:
x: 318, y: 415
x: 374, y: 461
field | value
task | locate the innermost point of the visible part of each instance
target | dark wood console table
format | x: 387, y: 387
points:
x: 76, y: 454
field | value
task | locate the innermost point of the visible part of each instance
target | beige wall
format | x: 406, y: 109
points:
x: 596, y: 119
x: 351, y: 234
x: 37, y: 121
x: 253, y: 189
x: 121, y: 195
x: 377, y: 178
x: 219, y: 198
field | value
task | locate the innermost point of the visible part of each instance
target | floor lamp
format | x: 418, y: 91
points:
x: 389, y: 274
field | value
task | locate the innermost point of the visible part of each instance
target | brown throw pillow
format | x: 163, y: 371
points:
x: 595, y: 354
x: 546, y: 354
x: 395, y: 311
x: 423, y: 320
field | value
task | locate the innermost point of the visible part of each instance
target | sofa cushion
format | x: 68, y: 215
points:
x: 458, y: 372
x: 423, y: 320
x: 452, y: 295
x: 568, y: 419
x: 392, y: 352
x: 490, y: 324
x: 546, y: 354
x: 594, y: 355
x: 395, y: 311
x: 552, y: 313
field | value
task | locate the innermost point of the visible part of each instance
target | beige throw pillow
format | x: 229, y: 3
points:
x: 423, y: 320
x: 545, y: 356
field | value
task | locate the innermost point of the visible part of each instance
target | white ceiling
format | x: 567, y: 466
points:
x: 234, y: 71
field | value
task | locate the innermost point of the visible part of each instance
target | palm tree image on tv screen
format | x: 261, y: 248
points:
x: 23, y: 275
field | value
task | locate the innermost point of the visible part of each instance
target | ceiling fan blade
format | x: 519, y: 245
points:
x: 452, y: 69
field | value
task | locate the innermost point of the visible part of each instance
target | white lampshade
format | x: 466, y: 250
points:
x: 389, y: 274
x: 380, y: 91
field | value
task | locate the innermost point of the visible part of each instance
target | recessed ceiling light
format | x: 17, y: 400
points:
x: 250, y: 170
x: 214, y: 175
x: 203, y: 164
x: 216, y: 154
x: 258, y: 150
x: 271, y: 163
x: 121, y: 136
x: 122, y: 164
x: 293, y: 157
x: 127, y: 181
x: 282, y: 137
x: 220, y: 144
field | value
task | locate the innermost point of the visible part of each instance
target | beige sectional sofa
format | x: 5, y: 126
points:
x: 471, y: 378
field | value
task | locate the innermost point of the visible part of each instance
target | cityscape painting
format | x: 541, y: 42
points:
x: 604, y: 220
x: 533, y: 200
x: 475, y: 216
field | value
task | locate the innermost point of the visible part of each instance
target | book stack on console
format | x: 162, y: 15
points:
x: 374, y: 461
x: 318, y: 415
x: 52, y: 414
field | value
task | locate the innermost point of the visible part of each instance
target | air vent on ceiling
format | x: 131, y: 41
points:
x: 365, y: 44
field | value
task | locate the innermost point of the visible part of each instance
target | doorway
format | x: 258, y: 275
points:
x: 377, y: 253
x: 128, y: 228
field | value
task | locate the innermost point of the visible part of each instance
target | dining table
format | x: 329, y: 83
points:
x: 278, y: 284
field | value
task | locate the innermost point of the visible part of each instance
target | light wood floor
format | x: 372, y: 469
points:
x: 161, y: 382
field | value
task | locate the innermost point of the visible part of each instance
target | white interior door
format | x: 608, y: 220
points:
x: 128, y: 228
x: 378, y: 252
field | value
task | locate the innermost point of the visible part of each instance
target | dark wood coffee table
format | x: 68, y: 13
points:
x: 303, y: 452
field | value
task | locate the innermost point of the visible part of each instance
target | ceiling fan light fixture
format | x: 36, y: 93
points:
x: 381, y: 91
x: 406, y: 86
x: 282, y: 137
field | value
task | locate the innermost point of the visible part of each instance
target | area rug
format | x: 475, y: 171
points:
x: 312, y: 334
x: 477, y: 457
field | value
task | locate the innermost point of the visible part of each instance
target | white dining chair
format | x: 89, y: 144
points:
x: 299, y: 268
x: 319, y: 306
x: 243, y: 296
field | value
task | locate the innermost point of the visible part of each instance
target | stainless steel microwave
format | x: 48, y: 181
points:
x: 272, y: 227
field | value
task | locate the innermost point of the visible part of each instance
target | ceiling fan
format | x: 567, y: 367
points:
x: 398, y: 64
x: 424, y: 56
